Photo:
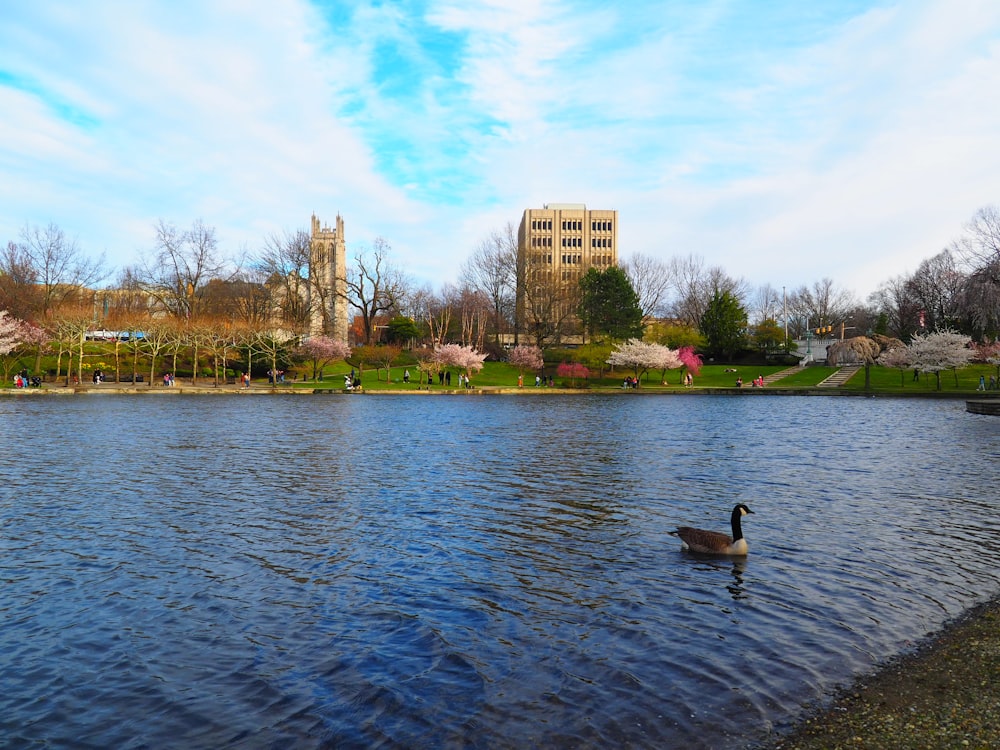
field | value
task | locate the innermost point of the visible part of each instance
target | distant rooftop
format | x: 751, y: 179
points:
x: 565, y: 206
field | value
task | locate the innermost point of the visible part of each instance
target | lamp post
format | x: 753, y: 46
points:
x: 868, y: 366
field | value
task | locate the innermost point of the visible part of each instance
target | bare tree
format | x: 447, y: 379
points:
x: 936, y: 288
x: 473, y: 309
x: 55, y: 265
x: 284, y: 264
x: 437, y: 313
x: 896, y: 307
x: 181, y: 267
x: 492, y: 270
x: 253, y: 300
x: 979, y: 246
x: 766, y: 304
x: 548, y: 309
x: 695, y: 286
x: 822, y: 304
x: 18, y: 283
x: 652, y: 280
x: 375, y: 286
x: 71, y: 324
x: 129, y: 297
x: 157, y: 336
x: 979, y: 251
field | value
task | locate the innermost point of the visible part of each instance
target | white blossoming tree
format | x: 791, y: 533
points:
x: 641, y: 356
x: 898, y: 359
x: 940, y: 350
x: 666, y: 359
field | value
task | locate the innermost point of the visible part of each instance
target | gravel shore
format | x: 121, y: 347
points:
x: 944, y: 694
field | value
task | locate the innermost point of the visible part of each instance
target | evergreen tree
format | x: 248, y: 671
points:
x: 724, y: 325
x: 609, y: 305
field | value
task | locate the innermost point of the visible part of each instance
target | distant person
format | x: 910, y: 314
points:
x: 406, y: 376
x: 982, y: 383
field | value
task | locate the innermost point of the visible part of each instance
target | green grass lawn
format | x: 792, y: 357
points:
x: 886, y: 380
x: 502, y: 375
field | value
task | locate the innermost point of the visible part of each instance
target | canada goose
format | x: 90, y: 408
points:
x: 715, y: 542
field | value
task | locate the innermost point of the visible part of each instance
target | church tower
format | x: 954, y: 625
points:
x: 327, y: 289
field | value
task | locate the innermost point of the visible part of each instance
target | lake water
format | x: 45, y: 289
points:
x: 470, y: 572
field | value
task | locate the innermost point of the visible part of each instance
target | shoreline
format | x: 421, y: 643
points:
x: 943, y: 693
x: 497, y: 390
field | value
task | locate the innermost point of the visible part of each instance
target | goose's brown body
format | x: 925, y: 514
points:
x: 715, y: 542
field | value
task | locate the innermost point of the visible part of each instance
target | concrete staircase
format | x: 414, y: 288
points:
x: 840, y: 377
x: 776, y: 376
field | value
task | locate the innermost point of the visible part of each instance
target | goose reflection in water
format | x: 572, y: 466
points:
x: 735, y: 567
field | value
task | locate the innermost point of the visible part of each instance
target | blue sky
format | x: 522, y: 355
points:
x: 784, y: 141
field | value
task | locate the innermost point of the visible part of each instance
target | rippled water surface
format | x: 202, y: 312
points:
x: 495, y: 572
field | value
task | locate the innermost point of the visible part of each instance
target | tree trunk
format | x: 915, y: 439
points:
x: 79, y: 362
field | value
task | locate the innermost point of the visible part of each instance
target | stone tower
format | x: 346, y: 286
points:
x: 327, y: 288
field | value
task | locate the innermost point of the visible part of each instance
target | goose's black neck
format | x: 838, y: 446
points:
x: 737, y: 526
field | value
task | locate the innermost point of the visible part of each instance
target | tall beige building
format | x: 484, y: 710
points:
x: 556, y: 246
x: 327, y: 288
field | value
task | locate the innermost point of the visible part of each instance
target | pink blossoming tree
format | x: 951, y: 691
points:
x: 988, y: 352
x: 321, y: 351
x: 10, y: 332
x: 525, y: 358
x: 463, y: 357
x: 13, y: 335
x: 572, y: 371
x: 689, y: 361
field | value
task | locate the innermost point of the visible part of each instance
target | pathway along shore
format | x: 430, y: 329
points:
x: 944, y: 694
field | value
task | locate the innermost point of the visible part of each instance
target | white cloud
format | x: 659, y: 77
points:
x: 785, y: 143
